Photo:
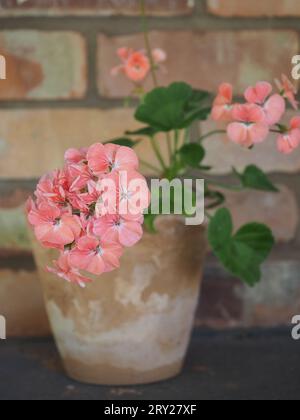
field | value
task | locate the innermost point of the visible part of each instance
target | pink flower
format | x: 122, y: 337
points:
x: 96, y: 256
x: 78, y: 176
x: 222, y: 106
x: 159, y: 56
x: 274, y: 109
x: 53, y: 228
x: 124, y: 53
x: 103, y: 159
x: 251, y: 126
x: 108, y: 195
x: 63, y: 270
x: 126, y: 230
x: 288, y: 90
x: 259, y: 93
x: 75, y: 155
x: 135, y: 65
x: 133, y: 193
x: 52, y: 188
x: 273, y: 106
x: 290, y: 141
x: 93, y: 185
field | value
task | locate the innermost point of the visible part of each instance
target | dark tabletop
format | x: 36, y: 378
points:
x: 251, y: 365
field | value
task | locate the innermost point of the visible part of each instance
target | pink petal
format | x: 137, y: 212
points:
x: 274, y: 109
x: 256, y: 114
x: 126, y: 159
x: 258, y: 133
x: 87, y: 243
x: 238, y: 133
x: 96, y: 265
x: 284, y: 146
x: 222, y: 113
x: 42, y: 231
x: 295, y: 137
x: 226, y: 91
x: 97, y: 159
x: 111, y: 151
x: 73, y: 222
x: 74, y: 156
x: 123, y: 53
x: 159, y: 55
x: 112, y: 253
x: 137, y: 66
x: 58, y: 235
x: 130, y: 233
x: 103, y: 224
x: 259, y: 93
x: 295, y: 122
x: 292, y: 100
x: 80, y: 259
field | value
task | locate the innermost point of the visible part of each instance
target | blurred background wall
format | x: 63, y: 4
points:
x: 59, y: 93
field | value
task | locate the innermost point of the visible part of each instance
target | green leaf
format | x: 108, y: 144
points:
x: 163, y: 108
x: 173, y: 107
x: 217, y: 199
x: 124, y: 141
x: 204, y: 113
x: 192, y: 154
x: 220, y: 229
x: 255, y: 178
x: 149, y: 222
x: 198, y: 97
x: 145, y: 131
x: 242, y: 253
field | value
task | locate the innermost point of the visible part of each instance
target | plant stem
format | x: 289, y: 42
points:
x: 276, y: 131
x: 149, y: 166
x: 187, y: 135
x: 212, y: 133
x: 209, y: 216
x: 147, y: 42
x: 158, y: 153
x: 225, y: 186
x: 169, y: 142
x: 176, y: 140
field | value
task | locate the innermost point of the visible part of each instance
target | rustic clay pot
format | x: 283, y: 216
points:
x: 131, y: 326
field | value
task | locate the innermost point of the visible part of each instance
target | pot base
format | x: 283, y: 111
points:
x: 109, y: 375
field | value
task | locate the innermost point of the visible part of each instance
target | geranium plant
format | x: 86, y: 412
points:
x: 76, y: 211
x: 172, y: 111
x: 88, y: 210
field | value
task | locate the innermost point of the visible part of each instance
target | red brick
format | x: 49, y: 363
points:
x: 227, y: 302
x: 279, y: 211
x: 43, y: 65
x: 254, y: 8
x: 21, y: 302
x: 94, y: 7
x: 220, y: 306
x: 276, y: 300
x: 38, y: 138
x: 13, y: 226
x: 204, y: 59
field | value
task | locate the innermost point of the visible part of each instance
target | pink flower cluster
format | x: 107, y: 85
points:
x: 136, y: 65
x: 90, y: 210
x: 250, y: 123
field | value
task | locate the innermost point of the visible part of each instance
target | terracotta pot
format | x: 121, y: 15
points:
x: 131, y: 326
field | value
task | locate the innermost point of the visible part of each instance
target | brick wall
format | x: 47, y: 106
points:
x: 59, y: 93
